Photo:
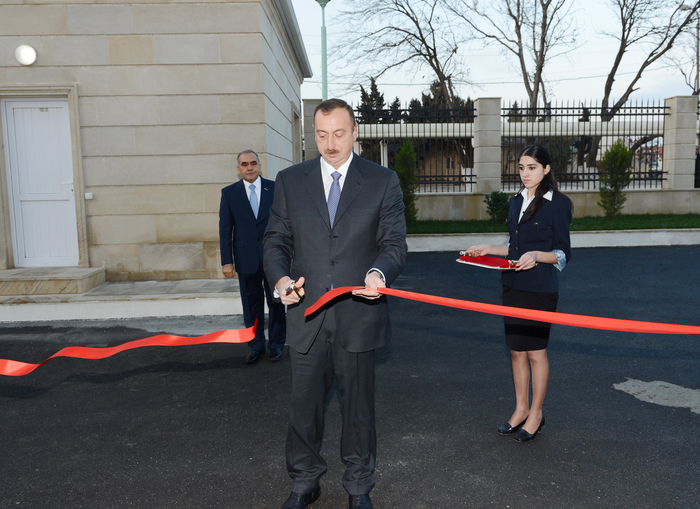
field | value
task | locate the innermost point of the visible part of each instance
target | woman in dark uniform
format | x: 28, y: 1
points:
x: 538, y: 224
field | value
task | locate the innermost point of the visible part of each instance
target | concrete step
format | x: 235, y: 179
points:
x: 128, y: 299
x: 49, y: 280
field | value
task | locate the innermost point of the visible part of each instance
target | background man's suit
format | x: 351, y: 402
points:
x: 241, y: 237
x: 369, y: 232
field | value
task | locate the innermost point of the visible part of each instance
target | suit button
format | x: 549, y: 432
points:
x: 516, y: 248
x: 334, y: 263
x: 516, y: 232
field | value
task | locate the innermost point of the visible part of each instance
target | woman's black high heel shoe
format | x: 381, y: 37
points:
x: 523, y: 436
x: 507, y: 429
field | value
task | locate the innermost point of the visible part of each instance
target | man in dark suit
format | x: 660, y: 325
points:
x: 243, y: 216
x: 337, y: 220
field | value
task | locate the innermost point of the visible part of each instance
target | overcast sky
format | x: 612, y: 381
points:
x: 578, y: 77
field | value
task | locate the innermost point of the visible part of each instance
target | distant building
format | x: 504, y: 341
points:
x: 117, y: 141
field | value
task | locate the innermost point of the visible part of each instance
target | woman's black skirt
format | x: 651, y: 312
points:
x: 523, y: 335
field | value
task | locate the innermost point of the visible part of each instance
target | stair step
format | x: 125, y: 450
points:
x: 49, y: 280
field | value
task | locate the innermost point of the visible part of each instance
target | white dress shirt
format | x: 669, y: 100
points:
x: 327, y: 170
x: 527, y: 201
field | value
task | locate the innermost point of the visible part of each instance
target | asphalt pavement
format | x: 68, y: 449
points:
x: 194, y: 427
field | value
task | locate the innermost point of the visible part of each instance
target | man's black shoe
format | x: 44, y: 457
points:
x: 360, y: 502
x: 253, y: 357
x: 300, y: 501
x: 275, y: 354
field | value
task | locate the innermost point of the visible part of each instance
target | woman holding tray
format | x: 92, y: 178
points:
x: 538, y: 224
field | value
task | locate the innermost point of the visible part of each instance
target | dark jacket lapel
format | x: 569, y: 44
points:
x: 518, y: 202
x: 314, y: 185
x: 242, y: 196
x: 266, y: 195
x: 354, y: 182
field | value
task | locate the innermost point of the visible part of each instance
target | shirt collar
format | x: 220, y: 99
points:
x: 256, y: 183
x: 547, y: 196
x: 327, y: 169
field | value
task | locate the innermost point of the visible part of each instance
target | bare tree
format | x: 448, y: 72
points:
x: 655, y: 23
x: 388, y: 34
x: 685, y: 55
x: 531, y: 30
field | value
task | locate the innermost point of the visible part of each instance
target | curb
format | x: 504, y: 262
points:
x: 605, y: 238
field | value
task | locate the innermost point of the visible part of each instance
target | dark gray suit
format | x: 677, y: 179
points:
x: 338, y: 341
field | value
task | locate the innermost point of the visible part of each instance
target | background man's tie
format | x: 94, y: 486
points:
x: 254, y: 200
x: 334, y: 196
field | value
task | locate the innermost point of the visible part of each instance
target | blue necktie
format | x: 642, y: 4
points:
x: 334, y: 196
x: 254, y: 200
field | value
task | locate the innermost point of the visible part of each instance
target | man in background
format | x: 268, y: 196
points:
x: 243, y: 216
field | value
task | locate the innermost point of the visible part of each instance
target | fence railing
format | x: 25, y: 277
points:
x: 697, y: 145
x: 442, y: 140
x: 575, y: 135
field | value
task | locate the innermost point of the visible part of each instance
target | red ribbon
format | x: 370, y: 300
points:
x: 588, y: 322
x: 17, y: 368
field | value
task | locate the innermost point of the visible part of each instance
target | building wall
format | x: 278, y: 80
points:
x: 168, y: 94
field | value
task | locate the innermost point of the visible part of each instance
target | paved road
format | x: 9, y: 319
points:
x: 193, y: 427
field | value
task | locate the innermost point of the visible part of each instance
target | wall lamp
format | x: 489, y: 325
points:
x: 25, y: 54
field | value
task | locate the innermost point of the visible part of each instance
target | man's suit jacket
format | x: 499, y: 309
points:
x: 236, y: 215
x: 369, y: 232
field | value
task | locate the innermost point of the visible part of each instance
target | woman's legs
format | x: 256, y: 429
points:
x: 540, y: 378
x: 524, y: 362
x: 521, y: 379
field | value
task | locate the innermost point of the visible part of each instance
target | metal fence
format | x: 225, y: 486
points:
x: 697, y: 156
x: 576, y: 136
x: 441, y: 138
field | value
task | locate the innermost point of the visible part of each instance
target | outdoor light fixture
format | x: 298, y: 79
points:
x: 324, y: 64
x: 25, y: 54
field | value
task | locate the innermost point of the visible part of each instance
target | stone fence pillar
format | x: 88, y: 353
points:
x: 487, y: 145
x: 310, y: 148
x: 679, y: 142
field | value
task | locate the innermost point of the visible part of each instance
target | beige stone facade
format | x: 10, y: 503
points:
x: 164, y: 96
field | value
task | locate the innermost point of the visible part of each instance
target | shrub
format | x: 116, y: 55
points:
x: 497, y: 206
x: 405, y: 167
x: 615, y: 175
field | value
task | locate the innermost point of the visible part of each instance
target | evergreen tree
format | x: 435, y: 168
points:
x: 405, y: 167
x: 615, y: 175
x: 372, y: 104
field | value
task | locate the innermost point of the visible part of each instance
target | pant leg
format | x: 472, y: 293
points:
x: 312, y: 376
x: 252, y: 301
x: 354, y: 374
x: 276, y: 320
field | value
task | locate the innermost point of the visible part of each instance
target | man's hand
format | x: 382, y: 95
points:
x: 373, y: 281
x: 229, y: 270
x: 285, y: 287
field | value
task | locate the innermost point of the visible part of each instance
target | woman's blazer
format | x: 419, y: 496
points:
x: 547, y: 231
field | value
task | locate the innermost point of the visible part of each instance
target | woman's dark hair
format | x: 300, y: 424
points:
x: 549, y: 183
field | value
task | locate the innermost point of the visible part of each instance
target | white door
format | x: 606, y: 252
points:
x: 40, y: 182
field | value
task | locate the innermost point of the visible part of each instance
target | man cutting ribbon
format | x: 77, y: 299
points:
x: 335, y: 221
